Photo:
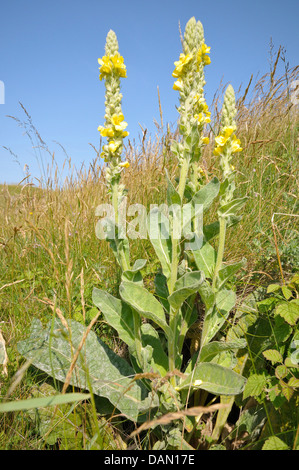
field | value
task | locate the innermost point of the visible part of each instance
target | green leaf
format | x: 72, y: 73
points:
x: 232, y: 207
x: 289, y: 311
x: 185, y: 286
x: 159, y: 359
x: 160, y: 239
x: 211, y: 350
x: 53, y: 400
x: 205, y: 259
x: 286, y: 292
x: 225, y: 300
x: 161, y: 290
x: 212, y: 230
x: 173, y: 196
x: 273, y: 288
x: 281, y: 371
x: 255, y: 385
x: 273, y: 356
x: 215, y: 379
x: 293, y: 382
x: 134, y: 274
x: 97, y: 368
x: 227, y: 272
x: 274, y: 443
x: 143, y: 302
x: 207, y: 194
x: 117, y: 314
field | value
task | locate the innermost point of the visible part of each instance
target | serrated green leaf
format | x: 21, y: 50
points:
x: 281, y: 371
x: 274, y: 443
x: 273, y: 356
x: 273, y: 288
x: 286, y: 390
x: 289, y: 311
x: 286, y: 292
x: 255, y: 385
x: 293, y: 382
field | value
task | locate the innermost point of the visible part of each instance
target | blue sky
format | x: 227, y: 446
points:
x: 48, y: 62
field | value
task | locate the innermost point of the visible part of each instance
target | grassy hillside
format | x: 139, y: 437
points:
x: 50, y: 254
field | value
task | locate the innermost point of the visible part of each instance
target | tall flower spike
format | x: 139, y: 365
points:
x: 193, y: 110
x: 112, y: 68
x: 226, y: 142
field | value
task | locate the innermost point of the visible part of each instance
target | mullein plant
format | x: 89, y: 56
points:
x: 112, y: 69
x: 158, y: 377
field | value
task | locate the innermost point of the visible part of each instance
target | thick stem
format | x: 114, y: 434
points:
x: 222, y: 231
x: 137, y: 334
x: 172, y: 346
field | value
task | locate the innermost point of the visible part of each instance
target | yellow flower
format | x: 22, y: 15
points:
x: 113, y: 146
x: 235, y: 145
x: 217, y: 151
x: 118, y: 64
x: 111, y: 64
x: 201, y: 118
x: 118, y: 122
x: 124, y: 164
x: 205, y: 140
x: 106, y: 66
x: 106, y: 131
x: 227, y: 138
x: 202, y: 55
x: 178, y: 85
x: 181, y: 64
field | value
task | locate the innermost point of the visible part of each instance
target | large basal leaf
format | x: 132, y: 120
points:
x: 117, y: 314
x: 143, y: 302
x: 185, y: 286
x: 215, y: 379
x: 97, y: 368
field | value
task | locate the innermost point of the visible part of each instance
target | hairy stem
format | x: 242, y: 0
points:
x: 222, y: 232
